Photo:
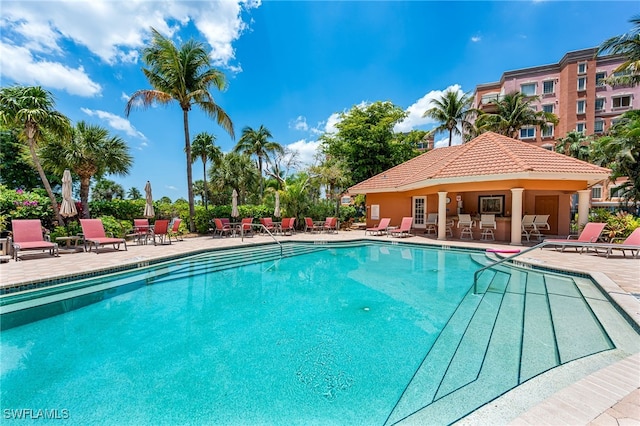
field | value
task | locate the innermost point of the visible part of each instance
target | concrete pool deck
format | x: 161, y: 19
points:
x: 608, y: 396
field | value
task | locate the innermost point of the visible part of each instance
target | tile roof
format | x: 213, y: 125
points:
x: 488, y: 156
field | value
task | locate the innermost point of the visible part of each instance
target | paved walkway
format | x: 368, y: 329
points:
x: 613, y: 393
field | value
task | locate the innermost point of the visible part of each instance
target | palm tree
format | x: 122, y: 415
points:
x: 256, y: 142
x: 575, y: 145
x: 628, y: 45
x: 452, y: 111
x: 182, y: 74
x: 514, y: 112
x: 30, y: 109
x: 236, y: 171
x: 90, y: 152
x: 107, y: 190
x: 203, y: 146
x: 134, y: 193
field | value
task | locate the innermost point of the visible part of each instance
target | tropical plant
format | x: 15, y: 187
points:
x: 90, y: 152
x: 16, y: 166
x: 134, y: 193
x: 236, y: 171
x: 256, y: 142
x: 620, y: 151
x: 453, y: 111
x: 182, y: 74
x: 627, y: 44
x: 30, y: 110
x: 20, y: 204
x: 514, y: 112
x: 204, y: 147
x: 107, y: 190
x: 575, y: 145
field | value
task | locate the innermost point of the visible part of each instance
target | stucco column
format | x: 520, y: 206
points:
x: 583, y: 206
x: 442, y: 215
x: 516, y: 216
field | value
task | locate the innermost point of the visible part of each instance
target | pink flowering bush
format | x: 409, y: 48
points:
x: 21, y: 204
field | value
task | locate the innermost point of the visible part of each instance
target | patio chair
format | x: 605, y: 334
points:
x: 405, y: 228
x: 466, y: 223
x: 431, y: 223
x: 288, y: 225
x: 330, y: 224
x: 589, y: 235
x: 380, y: 229
x: 27, y: 235
x: 487, y: 226
x: 161, y: 231
x: 94, y: 235
x: 221, y: 228
x: 449, y: 227
x: 541, y: 222
x: 245, y: 227
x: 142, y: 231
x: 268, y: 224
x: 174, y: 229
x: 631, y: 243
x: 310, y: 226
x: 528, y: 227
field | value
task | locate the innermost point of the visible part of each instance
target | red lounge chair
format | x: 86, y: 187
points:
x: 27, y: 235
x: 589, y: 235
x: 631, y: 243
x: 405, y: 228
x: 161, y: 231
x: 330, y: 224
x: 221, y: 228
x: 380, y: 229
x: 174, y: 230
x: 95, y: 236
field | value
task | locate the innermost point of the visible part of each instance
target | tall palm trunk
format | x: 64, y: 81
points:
x: 187, y: 149
x: 85, y: 183
x: 260, y: 171
x: 31, y: 131
x: 204, y: 182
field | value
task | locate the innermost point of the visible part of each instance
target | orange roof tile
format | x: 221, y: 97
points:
x: 489, y: 155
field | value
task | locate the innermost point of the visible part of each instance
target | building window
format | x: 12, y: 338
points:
x: 528, y: 89
x: 527, y: 133
x: 547, y: 108
x: 600, y: 76
x: 581, y: 107
x: 548, y: 87
x: 616, y: 192
x: 547, y: 132
x: 582, y: 68
x: 621, y: 101
x: 596, y: 192
x: 581, y: 127
x: 598, y: 126
x: 599, y: 104
x: 582, y: 83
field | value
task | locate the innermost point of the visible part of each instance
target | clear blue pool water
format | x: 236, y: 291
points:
x: 362, y: 335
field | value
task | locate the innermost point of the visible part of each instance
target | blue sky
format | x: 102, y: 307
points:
x: 291, y: 66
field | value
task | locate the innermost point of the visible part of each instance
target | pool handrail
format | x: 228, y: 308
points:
x: 259, y: 225
x: 539, y: 245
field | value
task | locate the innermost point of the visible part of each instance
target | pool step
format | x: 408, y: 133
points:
x: 522, y: 326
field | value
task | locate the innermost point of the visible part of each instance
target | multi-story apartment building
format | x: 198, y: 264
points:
x: 573, y: 89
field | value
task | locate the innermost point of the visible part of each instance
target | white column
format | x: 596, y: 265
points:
x: 584, y: 197
x: 442, y: 215
x: 516, y: 216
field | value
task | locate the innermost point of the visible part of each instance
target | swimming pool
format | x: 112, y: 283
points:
x: 366, y: 334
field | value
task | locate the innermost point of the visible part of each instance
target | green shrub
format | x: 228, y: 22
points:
x: 619, y: 225
x: 19, y: 204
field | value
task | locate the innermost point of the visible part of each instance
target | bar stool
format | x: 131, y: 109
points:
x: 466, y: 224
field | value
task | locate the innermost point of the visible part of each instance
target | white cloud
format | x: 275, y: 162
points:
x: 18, y: 65
x: 116, y: 122
x: 112, y: 30
x: 306, y: 151
x: 415, y: 118
x: 327, y: 126
x: 476, y: 39
x: 300, y: 123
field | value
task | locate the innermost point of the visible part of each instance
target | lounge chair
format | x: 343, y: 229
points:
x: 330, y: 224
x: 161, y: 231
x: 310, y: 226
x: 95, y: 236
x: 221, y: 228
x: 631, y: 243
x: 380, y: 229
x: 431, y: 223
x: 174, y: 229
x: 589, y: 235
x: 27, y: 235
x: 405, y: 228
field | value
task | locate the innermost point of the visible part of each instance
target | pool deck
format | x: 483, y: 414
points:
x: 610, y: 396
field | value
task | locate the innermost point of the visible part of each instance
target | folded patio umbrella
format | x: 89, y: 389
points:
x: 148, y: 207
x: 234, y: 204
x: 68, y: 206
